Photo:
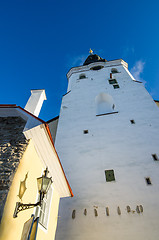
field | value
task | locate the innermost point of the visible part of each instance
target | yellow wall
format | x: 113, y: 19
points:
x: 11, y: 228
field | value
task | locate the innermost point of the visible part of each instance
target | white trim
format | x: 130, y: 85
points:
x: 48, y: 156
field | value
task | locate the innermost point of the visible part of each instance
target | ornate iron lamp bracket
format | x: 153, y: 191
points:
x: 44, y: 183
x: 21, y: 206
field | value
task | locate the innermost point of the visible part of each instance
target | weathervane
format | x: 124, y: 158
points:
x: 91, y: 51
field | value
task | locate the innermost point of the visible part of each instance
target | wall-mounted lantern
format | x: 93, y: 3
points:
x: 44, y: 184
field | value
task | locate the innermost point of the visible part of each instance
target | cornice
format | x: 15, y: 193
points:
x: 111, y: 63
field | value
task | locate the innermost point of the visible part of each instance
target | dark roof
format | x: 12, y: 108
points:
x: 93, y: 58
x: 53, y: 119
x: 15, y: 106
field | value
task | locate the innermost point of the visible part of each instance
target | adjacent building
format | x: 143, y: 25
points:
x: 26, y: 149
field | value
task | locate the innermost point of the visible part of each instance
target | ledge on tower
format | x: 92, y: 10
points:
x: 93, y: 58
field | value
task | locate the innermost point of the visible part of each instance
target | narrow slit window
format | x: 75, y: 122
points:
x: 132, y: 121
x: 85, y: 131
x: 112, y: 81
x: 148, y: 181
x: 73, y: 214
x: 116, y: 86
x: 109, y: 175
x: 107, y: 211
x: 155, y: 158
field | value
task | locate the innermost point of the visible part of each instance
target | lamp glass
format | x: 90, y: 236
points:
x: 39, y: 183
x: 44, y: 184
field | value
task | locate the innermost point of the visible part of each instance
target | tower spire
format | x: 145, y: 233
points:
x: 93, y: 58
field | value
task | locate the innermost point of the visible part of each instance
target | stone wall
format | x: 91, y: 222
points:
x: 12, y: 147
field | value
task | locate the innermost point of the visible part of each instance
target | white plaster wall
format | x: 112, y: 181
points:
x: 112, y: 143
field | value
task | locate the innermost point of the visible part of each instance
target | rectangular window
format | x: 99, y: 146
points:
x: 45, y: 209
x: 112, y: 81
x: 155, y: 158
x: 148, y: 181
x: 85, y: 131
x: 132, y: 121
x: 109, y: 174
x: 116, y: 86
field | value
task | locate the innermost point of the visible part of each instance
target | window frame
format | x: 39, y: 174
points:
x: 113, y: 81
x: 109, y: 175
x: 44, y: 211
x: 116, y: 86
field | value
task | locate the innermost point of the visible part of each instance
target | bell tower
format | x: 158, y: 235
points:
x: 107, y: 139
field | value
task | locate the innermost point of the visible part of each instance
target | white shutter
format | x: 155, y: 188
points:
x: 45, y: 209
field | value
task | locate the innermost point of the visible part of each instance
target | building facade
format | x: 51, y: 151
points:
x: 107, y: 138
x: 26, y: 149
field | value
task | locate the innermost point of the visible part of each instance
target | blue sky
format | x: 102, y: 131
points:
x: 41, y: 40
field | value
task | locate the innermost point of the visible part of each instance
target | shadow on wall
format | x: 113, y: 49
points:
x: 104, y: 104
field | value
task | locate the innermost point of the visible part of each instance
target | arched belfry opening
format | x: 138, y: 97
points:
x: 104, y: 104
x: 82, y: 76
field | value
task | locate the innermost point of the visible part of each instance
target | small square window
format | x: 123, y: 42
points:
x: 132, y: 121
x: 85, y: 131
x: 112, y: 81
x: 148, y: 181
x: 114, y: 70
x: 116, y: 86
x: 109, y: 174
x: 155, y: 158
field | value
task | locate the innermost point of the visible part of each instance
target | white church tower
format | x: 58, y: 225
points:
x: 108, y: 141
